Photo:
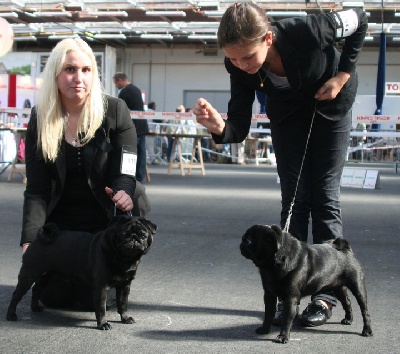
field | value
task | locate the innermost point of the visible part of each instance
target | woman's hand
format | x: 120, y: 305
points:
x: 25, y: 247
x: 208, y: 116
x: 121, y: 199
x: 332, y: 87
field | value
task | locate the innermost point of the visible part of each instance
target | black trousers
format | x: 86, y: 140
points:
x: 318, y: 191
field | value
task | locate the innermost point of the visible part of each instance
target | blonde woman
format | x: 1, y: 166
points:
x: 76, y: 140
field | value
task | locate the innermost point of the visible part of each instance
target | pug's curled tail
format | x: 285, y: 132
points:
x: 341, y: 244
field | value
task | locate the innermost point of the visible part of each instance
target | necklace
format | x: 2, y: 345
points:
x: 266, y: 75
x: 74, y: 139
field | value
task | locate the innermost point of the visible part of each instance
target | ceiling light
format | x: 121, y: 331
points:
x: 397, y: 14
x: 52, y: 14
x: 110, y: 36
x: 287, y: 13
x: 368, y: 39
x: 62, y: 36
x: 25, y: 39
x: 213, y: 13
x: 197, y: 25
x: 108, y: 13
x: 166, y: 13
x: 385, y: 27
x: 8, y: 14
x: 155, y: 36
x: 396, y: 39
x: 352, y: 4
x: 208, y: 4
x: 202, y: 36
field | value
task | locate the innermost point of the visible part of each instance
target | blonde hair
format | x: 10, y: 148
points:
x: 50, y: 113
x: 243, y: 24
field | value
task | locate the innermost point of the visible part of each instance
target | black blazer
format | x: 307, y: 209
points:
x: 310, y: 58
x: 102, y: 156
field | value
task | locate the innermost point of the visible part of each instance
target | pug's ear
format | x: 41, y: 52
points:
x: 278, y: 234
x: 280, y: 255
x: 276, y: 229
x: 152, y: 227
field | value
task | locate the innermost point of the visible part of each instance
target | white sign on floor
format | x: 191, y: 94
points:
x: 357, y: 178
x: 360, y: 178
x: 372, y: 180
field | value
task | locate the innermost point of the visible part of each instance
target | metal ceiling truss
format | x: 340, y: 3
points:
x: 127, y: 22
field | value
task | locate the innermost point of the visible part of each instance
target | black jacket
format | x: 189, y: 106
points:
x: 133, y: 98
x: 310, y: 58
x: 102, y: 155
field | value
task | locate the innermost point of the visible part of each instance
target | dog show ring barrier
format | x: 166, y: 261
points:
x: 185, y: 159
x: 188, y: 138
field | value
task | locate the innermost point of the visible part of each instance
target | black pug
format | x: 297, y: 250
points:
x: 291, y: 269
x: 106, y: 260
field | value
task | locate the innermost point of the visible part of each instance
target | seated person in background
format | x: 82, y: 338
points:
x: 74, y: 145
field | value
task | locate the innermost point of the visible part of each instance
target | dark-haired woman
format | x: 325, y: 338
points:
x: 311, y: 87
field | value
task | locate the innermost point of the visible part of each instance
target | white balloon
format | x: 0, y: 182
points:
x: 6, y: 36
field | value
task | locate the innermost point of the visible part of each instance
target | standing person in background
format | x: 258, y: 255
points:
x: 311, y: 87
x: 192, y: 129
x: 262, y: 99
x: 153, y: 143
x: 152, y: 107
x: 74, y: 147
x: 190, y: 124
x: 172, y: 130
x: 133, y: 99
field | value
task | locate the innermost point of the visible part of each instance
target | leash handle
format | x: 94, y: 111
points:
x: 115, y: 211
x: 115, y: 204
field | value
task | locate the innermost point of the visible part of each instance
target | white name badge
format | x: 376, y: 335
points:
x: 346, y: 23
x: 128, y: 161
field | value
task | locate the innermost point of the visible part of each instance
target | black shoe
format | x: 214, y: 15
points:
x: 315, y: 314
x: 277, y: 320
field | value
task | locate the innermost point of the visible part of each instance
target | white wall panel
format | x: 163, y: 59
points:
x: 165, y: 74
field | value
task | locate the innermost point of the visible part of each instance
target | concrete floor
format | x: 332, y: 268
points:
x: 194, y: 292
